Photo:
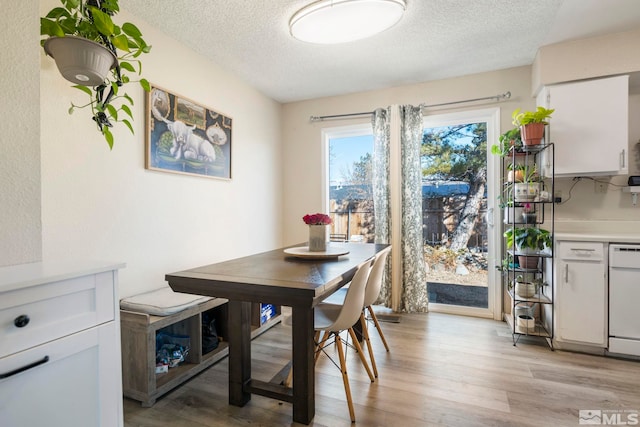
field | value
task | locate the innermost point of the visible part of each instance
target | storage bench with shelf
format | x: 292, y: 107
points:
x: 138, y: 335
x: 142, y: 317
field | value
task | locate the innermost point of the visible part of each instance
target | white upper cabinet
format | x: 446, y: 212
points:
x: 590, y: 126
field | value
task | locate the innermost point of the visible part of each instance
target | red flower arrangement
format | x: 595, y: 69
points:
x: 317, y: 219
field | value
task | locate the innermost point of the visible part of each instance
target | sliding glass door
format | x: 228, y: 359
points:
x: 459, y: 181
x: 458, y: 198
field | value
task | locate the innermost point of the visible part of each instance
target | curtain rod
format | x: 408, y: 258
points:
x: 505, y: 95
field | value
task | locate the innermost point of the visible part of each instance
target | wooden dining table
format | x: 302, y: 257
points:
x: 278, y: 278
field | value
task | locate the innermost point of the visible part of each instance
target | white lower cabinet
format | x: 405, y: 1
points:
x: 70, y: 383
x: 60, y: 363
x: 581, y: 293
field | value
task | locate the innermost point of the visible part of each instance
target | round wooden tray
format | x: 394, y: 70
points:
x: 303, y: 252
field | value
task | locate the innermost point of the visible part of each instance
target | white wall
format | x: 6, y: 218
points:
x: 592, y: 57
x: 20, y: 226
x: 105, y: 205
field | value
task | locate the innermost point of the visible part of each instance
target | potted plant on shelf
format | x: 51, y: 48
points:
x: 528, y: 242
x: 524, y: 288
x: 531, y: 124
x: 529, y: 214
x: 507, y: 264
x: 512, y: 213
x: 515, y: 172
x: 528, y: 188
x: 85, y: 43
x: 508, y: 141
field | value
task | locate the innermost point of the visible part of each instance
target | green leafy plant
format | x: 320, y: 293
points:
x: 91, y: 19
x: 507, y: 264
x: 526, y: 117
x: 520, y: 238
x: 530, y: 173
x: 507, y: 140
x: 504, y: 201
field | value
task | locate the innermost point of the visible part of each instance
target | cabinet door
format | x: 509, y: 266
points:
x: 590, y: 126
x: 70, y: 382
x: 581, y: 302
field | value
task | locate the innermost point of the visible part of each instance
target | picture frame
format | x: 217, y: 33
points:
x: 185, y: 137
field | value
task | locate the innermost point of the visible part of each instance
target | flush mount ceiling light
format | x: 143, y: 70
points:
x: 339, y: 21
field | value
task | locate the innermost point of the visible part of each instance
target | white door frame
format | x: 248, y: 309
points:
x: 492, y: 117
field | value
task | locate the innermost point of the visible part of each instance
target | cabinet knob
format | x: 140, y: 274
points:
x: 21, y: 321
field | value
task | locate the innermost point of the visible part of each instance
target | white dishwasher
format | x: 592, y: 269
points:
x: 624, y: 295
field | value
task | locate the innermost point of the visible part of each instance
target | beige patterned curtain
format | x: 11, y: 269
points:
x: 381, y: 193
x: 413, y: 281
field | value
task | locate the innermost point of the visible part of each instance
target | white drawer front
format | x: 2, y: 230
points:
x: 54, y: 310
x: 587, y: 251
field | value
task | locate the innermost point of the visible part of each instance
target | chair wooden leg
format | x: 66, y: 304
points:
x: 365, y: 335
x: 321, y: 344
x: 289, y: 380
x: 356, y: 344
x: 345, y: 380
x: 375, y: 321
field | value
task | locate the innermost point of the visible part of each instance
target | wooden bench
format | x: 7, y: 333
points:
x: 142, y: 316
x: 138, y: 334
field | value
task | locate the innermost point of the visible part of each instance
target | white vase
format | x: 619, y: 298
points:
x: 525, y: 324
x: 525, y: 289
x: 512, y: 214
x: 526, y: 191
x: 317, y: 238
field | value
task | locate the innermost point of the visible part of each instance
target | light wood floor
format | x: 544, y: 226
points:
x: 443, y: 370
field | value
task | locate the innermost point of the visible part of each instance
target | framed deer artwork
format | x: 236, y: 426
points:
x: 185, y: 137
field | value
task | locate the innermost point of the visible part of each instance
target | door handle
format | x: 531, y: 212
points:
x: 490, y: 217
x: 566, y: 273
x: 24, y: 368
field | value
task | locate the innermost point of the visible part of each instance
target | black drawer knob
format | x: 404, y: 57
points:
x: 21, y: 321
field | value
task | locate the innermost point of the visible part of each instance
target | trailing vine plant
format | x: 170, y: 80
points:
x: 91, y: 19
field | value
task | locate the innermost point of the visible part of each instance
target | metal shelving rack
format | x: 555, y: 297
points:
x: 541, y: 304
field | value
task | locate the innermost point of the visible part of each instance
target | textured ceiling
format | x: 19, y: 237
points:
x: 435, y: 39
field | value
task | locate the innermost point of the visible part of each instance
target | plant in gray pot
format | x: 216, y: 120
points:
x: 528, y: 242
x: 85, y: 43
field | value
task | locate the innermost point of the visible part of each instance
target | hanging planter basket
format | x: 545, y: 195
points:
x: 79, y: 60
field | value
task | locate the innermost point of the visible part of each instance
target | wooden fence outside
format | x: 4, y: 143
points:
x: 440, y: 216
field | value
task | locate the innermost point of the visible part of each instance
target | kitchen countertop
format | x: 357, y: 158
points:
x: 34, y: 274
x: 600, y: 231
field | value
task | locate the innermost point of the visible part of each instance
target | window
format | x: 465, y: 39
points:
x: 350, y: 193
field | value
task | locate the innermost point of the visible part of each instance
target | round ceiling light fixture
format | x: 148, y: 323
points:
x: 340, y: 21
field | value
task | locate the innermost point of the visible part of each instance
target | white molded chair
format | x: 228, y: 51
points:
x: 332, y: 319
x: 374, y: 283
